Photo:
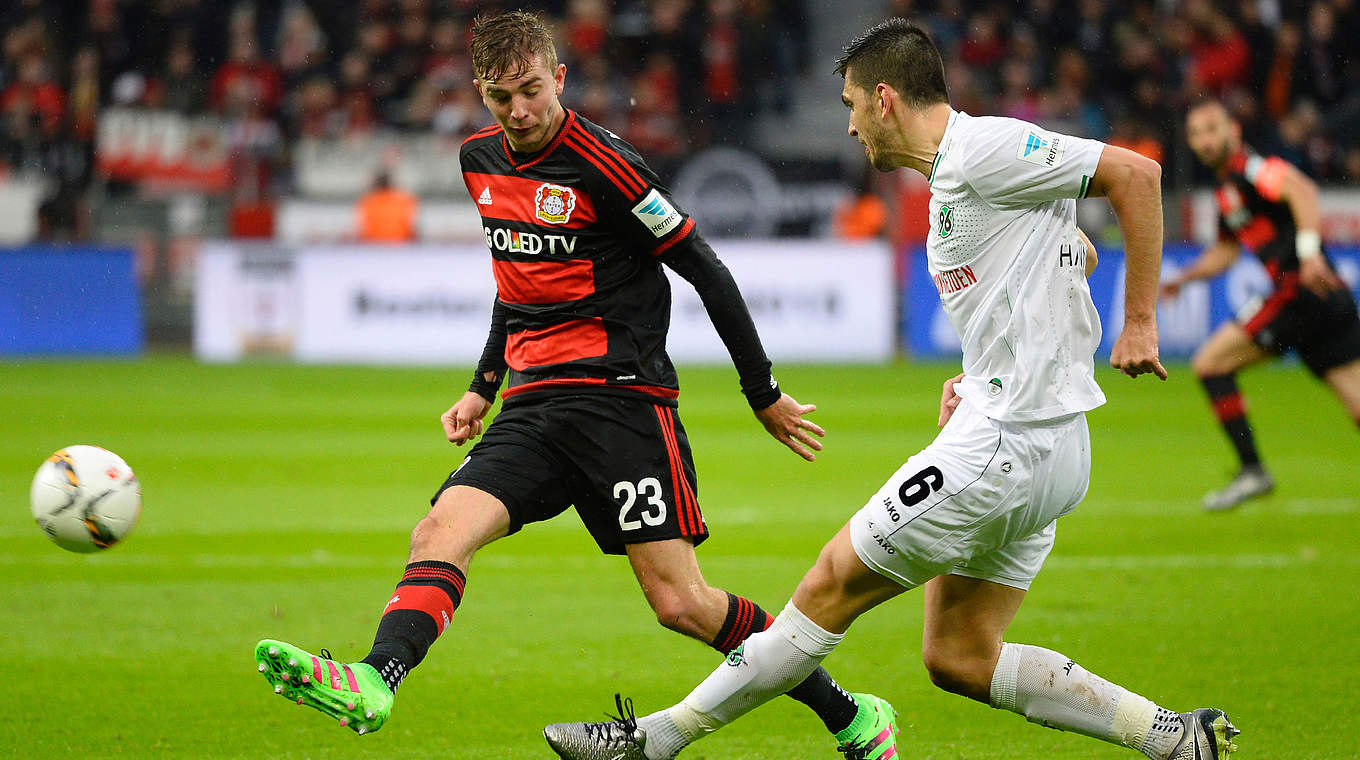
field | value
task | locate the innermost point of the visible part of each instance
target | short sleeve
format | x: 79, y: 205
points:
x: 1011, y: 163
x: 1266, y: 175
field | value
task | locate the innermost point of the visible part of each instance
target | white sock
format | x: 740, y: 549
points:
x: 1051, y: 690
x: 765, y: 666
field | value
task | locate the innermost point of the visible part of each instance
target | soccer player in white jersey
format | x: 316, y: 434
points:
x: 971, y: 518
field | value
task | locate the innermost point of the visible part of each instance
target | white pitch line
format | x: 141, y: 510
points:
x: 1171, y: 561
x: 350, y: 562
x: 751, y: 515
x: 1339, y: 505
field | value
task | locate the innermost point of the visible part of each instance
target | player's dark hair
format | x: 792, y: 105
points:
x: 897, y: 53
x: 504, y: 46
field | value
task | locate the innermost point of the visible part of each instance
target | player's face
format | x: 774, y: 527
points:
x: 527, y: 107
x: 1212, y: 135
x: 864, y: 126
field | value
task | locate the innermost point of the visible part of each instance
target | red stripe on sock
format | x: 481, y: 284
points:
x: 729, y: 642
x: 444, y: 575
x: 741, y: 625
x: 748, y: 616
x: 1229, y: 407
x: 431, y: 600
x: 437, y: 573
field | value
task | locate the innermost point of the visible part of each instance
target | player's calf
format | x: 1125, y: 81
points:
x: 1053, y: 691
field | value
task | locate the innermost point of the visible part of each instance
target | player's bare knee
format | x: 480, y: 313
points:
x: 833, y: 573
x: 432, y: 536
x: 940, y: 665
x: 957, y: 674
x: 820, y: 580
x: 678, y: 612
x: 447, y: 534
x: 959, y: 667
x: 946, y: 675
x: 1203, y: 366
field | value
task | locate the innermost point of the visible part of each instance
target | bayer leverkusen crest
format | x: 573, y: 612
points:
x: 554, y: 203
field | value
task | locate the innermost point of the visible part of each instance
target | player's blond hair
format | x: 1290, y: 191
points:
x: 504, y: 46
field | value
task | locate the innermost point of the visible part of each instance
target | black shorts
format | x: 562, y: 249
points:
x: 623, y: 462
x: 1325, y: 332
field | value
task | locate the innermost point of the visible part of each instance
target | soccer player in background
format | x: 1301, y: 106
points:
x: 971, y: 518
x: 578, y: 227
x: 1270, y: 207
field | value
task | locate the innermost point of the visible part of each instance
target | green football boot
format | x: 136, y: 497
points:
x: 354, y: 692
x: 872, y: 735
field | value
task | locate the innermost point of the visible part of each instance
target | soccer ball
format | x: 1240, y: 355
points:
x: 85, y: 498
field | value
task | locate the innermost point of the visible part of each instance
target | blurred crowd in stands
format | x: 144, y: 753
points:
x: 670, y: 75
x: 1123, y: 72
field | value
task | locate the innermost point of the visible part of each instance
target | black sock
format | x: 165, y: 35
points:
x: 1231, y: 411
x: 419, y: 610
x: 818, y: 691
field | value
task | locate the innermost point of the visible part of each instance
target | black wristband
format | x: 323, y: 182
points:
x: 763, y: 394
x: 485, y: 388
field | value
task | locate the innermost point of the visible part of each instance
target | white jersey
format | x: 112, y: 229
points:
x: 1009, y: 265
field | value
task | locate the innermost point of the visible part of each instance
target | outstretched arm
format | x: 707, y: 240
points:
x: 1133, y: 184
x: 672, y: 238
x: 782, y: 416
x: 1301, y: 194
x: 1211, y: 262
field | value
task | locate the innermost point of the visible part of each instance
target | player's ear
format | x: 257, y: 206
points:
x: 560, y: 77
x: 477, y: 83
x: 884, y: 99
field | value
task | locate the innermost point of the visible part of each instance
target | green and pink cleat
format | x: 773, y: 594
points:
x: 873, y: 733
x: 352, y: 692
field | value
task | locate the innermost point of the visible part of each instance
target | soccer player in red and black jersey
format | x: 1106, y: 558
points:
x: 578, y: 228
x: 1270, y: 207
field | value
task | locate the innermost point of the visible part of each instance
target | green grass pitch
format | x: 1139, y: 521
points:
x: 278, y: 501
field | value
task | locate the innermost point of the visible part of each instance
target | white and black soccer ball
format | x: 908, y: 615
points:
x: 85, y: 498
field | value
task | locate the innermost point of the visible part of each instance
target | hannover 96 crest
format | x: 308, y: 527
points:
x: 554, y: 203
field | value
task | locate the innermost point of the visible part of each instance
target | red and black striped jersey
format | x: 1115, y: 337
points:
x: 1252, y: 213
x: 577, y: 233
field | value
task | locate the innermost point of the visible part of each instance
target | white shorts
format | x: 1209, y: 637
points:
x: 980, y: 501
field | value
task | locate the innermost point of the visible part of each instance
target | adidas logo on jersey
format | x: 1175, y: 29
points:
x: 485, y: 198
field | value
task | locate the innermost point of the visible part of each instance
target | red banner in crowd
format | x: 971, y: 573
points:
x: 163, y: 148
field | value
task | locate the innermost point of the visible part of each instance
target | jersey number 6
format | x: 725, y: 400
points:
x: 650, y: 489
x: 915, y: 489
